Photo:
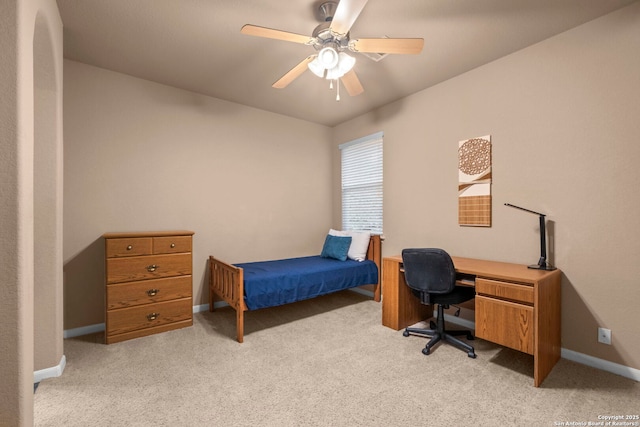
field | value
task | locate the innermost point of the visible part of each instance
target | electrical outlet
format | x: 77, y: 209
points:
x: 604, y: 335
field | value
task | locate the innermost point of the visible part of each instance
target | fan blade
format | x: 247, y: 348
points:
x: 294, y: 73
x: 254, y: 30
x: 402, y: 46
x: 346, y: 14
x: 352, y: 83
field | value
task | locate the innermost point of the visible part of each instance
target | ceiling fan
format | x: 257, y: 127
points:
x: 332, y: 40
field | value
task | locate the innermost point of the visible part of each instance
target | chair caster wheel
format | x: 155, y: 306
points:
x: 432, y: 324
x: 405, y: 333
x: 471, y: 354
x: 426, y: 351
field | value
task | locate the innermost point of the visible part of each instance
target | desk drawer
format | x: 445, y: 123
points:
x: 122, y: 295
x: 505, y: 323
x: 147, y: 316
x: 147, y: 267
x: 505, y: 290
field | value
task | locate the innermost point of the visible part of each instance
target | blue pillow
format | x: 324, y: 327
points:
x: 336, y: 247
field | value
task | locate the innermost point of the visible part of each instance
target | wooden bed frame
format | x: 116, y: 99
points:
x: 226, y: 283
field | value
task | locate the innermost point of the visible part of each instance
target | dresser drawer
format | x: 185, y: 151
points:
x: 147, y: 316
x: 171, y: 244
x: 505, y: 290
x: 130, y: 246
x: 506, y: 323
x: 128, y: 269
x: 121, y: 295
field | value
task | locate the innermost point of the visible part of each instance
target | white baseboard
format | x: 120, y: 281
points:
x: 469, y: 324
x: 54, y: 371
x: 604, y: 365
x: 362, y: 291
x: 574, y: 356
x: 84, y: 330
x: 201, y: 307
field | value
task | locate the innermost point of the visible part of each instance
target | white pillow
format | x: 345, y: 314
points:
x: 333, y: 232
x: 359, y: 243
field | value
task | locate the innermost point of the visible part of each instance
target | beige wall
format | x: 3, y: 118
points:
x: 252, y: 185
x: 30, y: 185
x: 564, y: 119
x: 562, y: 114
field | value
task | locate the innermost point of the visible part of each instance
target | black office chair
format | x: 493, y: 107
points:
x: 429, y: 272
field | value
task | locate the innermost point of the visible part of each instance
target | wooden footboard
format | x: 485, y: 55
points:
x: 226, y: 282
x: 374, y: 253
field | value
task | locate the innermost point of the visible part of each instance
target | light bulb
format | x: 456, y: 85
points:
x: 328, y: 57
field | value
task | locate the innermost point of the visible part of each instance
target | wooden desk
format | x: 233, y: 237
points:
x: 515, y: 306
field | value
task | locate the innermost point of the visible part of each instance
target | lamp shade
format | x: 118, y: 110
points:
x: 342, y: 64
x: 328, y: 57
x: 316, y: 68
x: 346, y: 63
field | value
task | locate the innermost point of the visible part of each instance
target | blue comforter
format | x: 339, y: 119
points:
x: 272, y: 283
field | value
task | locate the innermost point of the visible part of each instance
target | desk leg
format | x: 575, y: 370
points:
x: 400, y: 308
x: 547, y: 342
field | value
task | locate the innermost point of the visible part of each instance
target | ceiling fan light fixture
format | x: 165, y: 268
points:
x: 333, y: 74
x: 316, y: 68
x: 328, y: 57
x: 331, y: 38
x: 345, y: 64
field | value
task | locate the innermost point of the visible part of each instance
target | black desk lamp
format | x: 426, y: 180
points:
x: 542, y: 263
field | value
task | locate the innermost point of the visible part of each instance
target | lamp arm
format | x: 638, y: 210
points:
x: 542, y: 262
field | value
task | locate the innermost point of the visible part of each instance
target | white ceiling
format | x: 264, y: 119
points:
x: 196, y: 45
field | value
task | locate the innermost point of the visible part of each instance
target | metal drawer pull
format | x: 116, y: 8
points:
x: 153, y: 292
x: 173, y: 245
x: 152, y: 268
x: 152, y: 316
x: 129, y: 247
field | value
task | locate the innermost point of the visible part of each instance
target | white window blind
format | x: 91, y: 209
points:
x: 362, y: 184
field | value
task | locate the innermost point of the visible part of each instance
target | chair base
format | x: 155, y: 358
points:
x: 438, y: 333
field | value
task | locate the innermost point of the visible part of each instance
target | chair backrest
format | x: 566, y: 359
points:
x: 429, y: 270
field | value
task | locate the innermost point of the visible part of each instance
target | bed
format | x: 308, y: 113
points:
x: 255, y: 285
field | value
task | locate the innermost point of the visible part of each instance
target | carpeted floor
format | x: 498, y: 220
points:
x: 322, y: 362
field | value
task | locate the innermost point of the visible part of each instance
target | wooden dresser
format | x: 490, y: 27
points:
x: 148, y: 283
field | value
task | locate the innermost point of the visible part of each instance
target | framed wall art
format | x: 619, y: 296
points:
x: 474, y: 182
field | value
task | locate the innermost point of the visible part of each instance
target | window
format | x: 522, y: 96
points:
x: 362, y: 184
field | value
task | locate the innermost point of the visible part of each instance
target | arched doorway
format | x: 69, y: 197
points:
x: 31, y: 48
x: 47, y: 205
